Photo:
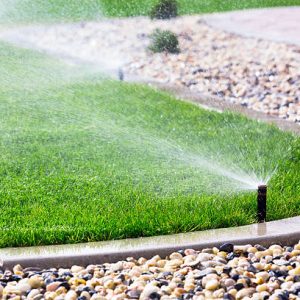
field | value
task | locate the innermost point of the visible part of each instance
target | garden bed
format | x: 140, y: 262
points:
x: 227, y: 272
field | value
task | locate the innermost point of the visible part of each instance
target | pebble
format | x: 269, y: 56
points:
x: 109, y: 284
x: 242, y: 294
x: 23, y: 287
x: 33, y: 293
x: 227, y: 247
x: 51, y: 287
x: 35, y: 282
x: 76, y: 269
x: 245, y: 272
x: 150, y: 291
x: 212, y: 284
x: 71, y: 295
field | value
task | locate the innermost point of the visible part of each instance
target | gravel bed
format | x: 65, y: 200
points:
x: 259, y: 74
x: 228, y: 272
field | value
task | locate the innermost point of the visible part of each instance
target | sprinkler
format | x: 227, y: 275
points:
x: 120, y: 74
x: 261, y: 203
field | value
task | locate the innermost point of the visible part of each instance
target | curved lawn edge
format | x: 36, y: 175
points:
x: 285, y: 232
x: 209, y: 102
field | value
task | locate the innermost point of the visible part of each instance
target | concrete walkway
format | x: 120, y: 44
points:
x: 276, y: 24
x: 286, y: 232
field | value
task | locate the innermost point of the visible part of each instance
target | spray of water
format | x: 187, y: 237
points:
x: 40, y: 11
x: 170, y: 159
x: 237, y: 178
x: 17, y: 16
x: 172, y: 162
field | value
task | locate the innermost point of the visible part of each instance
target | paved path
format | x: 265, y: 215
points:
x: 277, y: 24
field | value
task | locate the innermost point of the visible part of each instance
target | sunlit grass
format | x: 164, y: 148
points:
x: 86, y: 159
x: 142, y: 7
x: 74, y: 10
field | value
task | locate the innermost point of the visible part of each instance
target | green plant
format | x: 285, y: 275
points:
x: 164, y: 41
x: 164, y: 9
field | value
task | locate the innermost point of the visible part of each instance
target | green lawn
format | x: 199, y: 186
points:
x: 83, y: 158
x: 62, y: 10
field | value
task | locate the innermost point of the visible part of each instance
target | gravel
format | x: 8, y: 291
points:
x: 247, y: 272
x: 259, y: 74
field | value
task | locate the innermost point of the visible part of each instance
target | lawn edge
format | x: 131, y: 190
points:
x: 209, y: 102
x: 285, y: 232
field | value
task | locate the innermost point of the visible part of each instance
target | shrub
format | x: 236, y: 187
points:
x: 164, y: 41
x: 164, y: 9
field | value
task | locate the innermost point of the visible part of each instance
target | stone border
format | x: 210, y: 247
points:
x: 286, y: 232
x: 213, y: 103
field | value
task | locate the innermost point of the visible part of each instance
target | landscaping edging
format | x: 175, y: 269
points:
x: 213, y: 103
x: 286, y: 232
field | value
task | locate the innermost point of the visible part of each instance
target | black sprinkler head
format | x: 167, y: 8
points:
x: 120, y: 74
x: 261, y: 203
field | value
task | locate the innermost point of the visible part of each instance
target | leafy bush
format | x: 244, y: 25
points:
x: 164, y: 41
x: 164, y: 9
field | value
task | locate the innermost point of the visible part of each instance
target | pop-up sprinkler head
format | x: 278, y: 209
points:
x: 261, y: 203
x: 120, y: 74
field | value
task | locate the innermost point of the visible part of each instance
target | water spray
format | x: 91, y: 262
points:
x: 261, y: 203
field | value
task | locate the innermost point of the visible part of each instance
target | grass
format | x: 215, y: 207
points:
x: 61, y: 10
x: 84, y: 158
x: 127, y: 8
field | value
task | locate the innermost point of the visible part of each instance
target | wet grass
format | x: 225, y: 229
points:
x: 84, y: 158
x: 61, y: 10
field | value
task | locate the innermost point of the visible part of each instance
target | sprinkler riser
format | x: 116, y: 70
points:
x: 261, y: 203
